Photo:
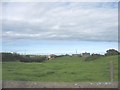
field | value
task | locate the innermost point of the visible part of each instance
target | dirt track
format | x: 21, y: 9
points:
x: 29, y: 84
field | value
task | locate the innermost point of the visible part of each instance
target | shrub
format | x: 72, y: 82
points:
x: 93, y: 57
x: 33, y: 59
x: 23, y: 58
x: 10, y: 57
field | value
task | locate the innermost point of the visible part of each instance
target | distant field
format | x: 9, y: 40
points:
x: 62, y: 69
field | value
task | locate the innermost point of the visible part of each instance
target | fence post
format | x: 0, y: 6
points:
x: 111, y: 71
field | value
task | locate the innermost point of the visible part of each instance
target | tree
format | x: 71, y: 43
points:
x: 111, y: 52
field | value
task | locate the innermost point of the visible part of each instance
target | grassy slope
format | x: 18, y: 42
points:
x: 63, y: 69
x: 0, y: 70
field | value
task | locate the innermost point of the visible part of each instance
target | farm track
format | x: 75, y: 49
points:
x: 32, y: 84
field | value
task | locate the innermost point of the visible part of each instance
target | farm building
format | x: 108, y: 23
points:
x: 85, y: 54
x: 52, y: 56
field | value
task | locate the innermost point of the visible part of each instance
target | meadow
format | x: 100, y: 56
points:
x: 0, y: 70
x: 62, y: 69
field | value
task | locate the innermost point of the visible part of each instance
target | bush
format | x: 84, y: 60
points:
x: 10, y: 57
x: 93, y: 57
x: 23, y: 58
x: 33, y: 59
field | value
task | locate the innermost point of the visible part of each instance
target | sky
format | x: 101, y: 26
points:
x: 59, y: 27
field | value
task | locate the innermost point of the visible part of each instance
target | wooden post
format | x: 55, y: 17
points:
x: 111, y: 71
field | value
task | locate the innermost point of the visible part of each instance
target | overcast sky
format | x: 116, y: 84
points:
x: 41, y: 26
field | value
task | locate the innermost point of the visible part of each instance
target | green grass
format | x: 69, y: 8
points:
x: 0, y: 70
x: 62, y: 69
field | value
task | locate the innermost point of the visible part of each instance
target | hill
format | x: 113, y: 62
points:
x: 62, y: 69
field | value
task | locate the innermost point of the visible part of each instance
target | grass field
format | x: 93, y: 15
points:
x: 0, y: 70
x: 62, y: 69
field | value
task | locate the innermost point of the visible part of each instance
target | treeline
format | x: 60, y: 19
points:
x: 8, y: 57
x: 109, y: 52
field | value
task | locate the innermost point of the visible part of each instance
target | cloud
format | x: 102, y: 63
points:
x: 60, y: 1
x: 60, y: 21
